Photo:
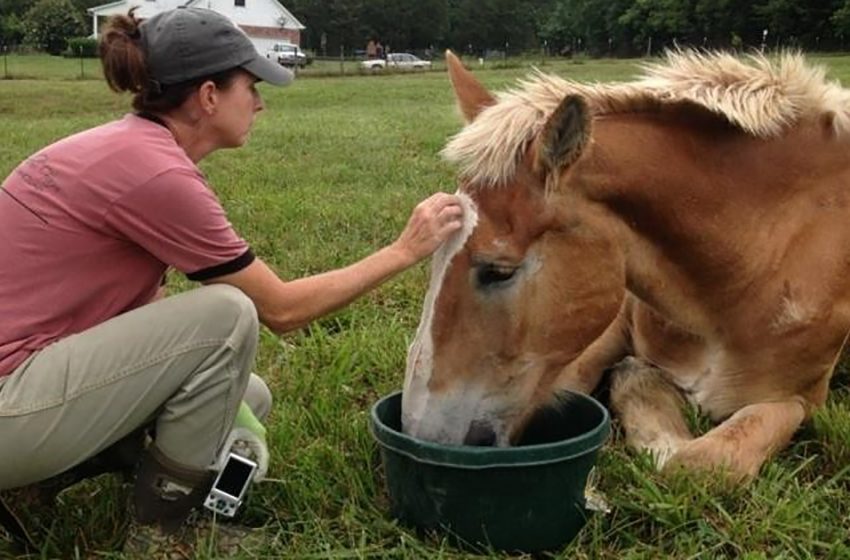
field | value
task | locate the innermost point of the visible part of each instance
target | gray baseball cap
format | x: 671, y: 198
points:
x: 187, y: 43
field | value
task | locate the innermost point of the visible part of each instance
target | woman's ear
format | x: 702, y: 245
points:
x: 208, y: 97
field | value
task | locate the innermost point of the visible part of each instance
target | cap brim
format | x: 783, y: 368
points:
x: 268, y: 71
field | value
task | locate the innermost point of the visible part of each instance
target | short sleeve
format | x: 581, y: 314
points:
x: 178, y: 219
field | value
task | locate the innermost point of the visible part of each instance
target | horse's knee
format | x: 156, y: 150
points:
x: 649, y: 408
x: 635, y: 381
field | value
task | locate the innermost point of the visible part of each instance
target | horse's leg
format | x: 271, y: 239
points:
x: 743, y: 442
x: 649, y: 408
x: 585, y: 372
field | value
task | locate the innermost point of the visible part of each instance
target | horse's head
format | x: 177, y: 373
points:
x: 529, y: 283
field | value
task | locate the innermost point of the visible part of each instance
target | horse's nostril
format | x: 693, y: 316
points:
x: 480, y: 434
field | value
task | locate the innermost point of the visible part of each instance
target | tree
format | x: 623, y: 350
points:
x: 11, y: 30
x: 491, y: 24
x: 338, y: 20
x: 717, y: 22
x: 659, y: 21
x: 82, y: 7
x: 16, y: 7
x: 405, y: 24
x: 781, y: 17
x: 587, y: 25
x: 570, y: 21
x: 50, y: 23
x: 840, y: 21
x: 800, y: 23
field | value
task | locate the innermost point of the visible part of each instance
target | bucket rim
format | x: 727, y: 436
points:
x: 476, y: 458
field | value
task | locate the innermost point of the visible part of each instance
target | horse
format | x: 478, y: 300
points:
x: 684, y: 236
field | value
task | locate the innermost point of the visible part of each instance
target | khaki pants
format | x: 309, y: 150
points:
x: 181, y: 365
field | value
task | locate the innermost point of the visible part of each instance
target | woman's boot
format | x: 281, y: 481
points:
x: 167, y: 523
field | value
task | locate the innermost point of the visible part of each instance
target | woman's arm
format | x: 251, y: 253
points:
x: 287, y: 305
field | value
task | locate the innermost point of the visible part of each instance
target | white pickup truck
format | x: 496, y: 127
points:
x: 288, y: 54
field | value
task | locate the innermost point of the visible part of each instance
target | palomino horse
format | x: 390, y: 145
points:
x: 689, y: 232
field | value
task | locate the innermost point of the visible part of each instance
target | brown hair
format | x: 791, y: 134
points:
x: 125, y: 68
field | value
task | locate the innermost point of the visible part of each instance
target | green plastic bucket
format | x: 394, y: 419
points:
x: 527, y: 498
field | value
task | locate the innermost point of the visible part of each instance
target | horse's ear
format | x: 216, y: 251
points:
x: 471, y: 96
x: 565, y: 134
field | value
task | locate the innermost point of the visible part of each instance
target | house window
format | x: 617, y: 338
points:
x: 239, y: 3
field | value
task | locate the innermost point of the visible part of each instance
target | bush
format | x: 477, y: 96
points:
x: 81, y: 46
x: 50, y: 22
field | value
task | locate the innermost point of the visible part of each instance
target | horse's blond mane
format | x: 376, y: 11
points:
x: 760, y: 96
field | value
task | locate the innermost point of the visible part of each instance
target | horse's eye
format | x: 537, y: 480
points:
x: 489, y: 274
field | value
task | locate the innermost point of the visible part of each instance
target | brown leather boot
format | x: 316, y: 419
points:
x: 167, y: 524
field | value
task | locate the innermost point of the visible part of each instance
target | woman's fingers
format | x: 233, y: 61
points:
x: 432, y: 222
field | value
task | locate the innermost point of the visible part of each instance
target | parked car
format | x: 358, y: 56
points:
x: 288, y: 54
x: 398, y: 61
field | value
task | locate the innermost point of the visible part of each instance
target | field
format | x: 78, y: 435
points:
x: 332, y: 170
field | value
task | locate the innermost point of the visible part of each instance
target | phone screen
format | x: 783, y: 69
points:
x: 234, y: 477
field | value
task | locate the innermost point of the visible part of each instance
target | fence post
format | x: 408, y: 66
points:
x: 82, y: 70
x: 5, y: 62
x: 342, y: 59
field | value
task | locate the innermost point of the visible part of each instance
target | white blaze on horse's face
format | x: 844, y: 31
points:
x: 418, y: 405
x: 476, y: 398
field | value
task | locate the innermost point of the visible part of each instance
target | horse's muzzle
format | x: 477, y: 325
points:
x: 480, y: 434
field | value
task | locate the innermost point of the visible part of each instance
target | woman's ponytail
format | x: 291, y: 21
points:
x: 122, y: 56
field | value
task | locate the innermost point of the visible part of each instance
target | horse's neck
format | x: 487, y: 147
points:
x: 688, y: 208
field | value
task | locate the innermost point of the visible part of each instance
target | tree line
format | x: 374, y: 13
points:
x: 596, y: 27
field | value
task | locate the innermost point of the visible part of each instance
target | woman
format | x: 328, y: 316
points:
x: 90, y: 354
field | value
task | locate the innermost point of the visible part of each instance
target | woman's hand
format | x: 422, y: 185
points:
x: 431, y: 223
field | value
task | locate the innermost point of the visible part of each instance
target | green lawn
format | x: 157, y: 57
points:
x: 330, y: 174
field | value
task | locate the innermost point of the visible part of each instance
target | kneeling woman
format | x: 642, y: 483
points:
x: 92, y: 358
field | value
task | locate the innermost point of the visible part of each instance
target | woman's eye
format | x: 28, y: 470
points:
x: 490, y: 274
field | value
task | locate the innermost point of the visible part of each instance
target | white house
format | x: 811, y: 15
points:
x: 265, y: 21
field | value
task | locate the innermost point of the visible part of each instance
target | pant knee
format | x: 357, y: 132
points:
x: 232, y: 309
x: 231, y: 304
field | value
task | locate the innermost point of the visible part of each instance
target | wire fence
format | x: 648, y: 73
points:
x: 32, y: 65
x: 26, y: 63
x: 29, y: 64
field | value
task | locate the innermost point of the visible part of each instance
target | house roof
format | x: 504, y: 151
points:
x: 291, y: 20
x: 144, y: 8
x: 148, y: 8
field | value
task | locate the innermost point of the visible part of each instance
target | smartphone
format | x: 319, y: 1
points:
x: 230, y: 485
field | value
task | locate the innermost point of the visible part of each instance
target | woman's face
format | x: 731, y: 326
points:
x: 235, y: 110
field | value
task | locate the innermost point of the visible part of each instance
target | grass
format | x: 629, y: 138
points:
x: 331, y: 172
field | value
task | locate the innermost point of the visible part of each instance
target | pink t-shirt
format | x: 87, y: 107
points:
x: 89, y: 225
